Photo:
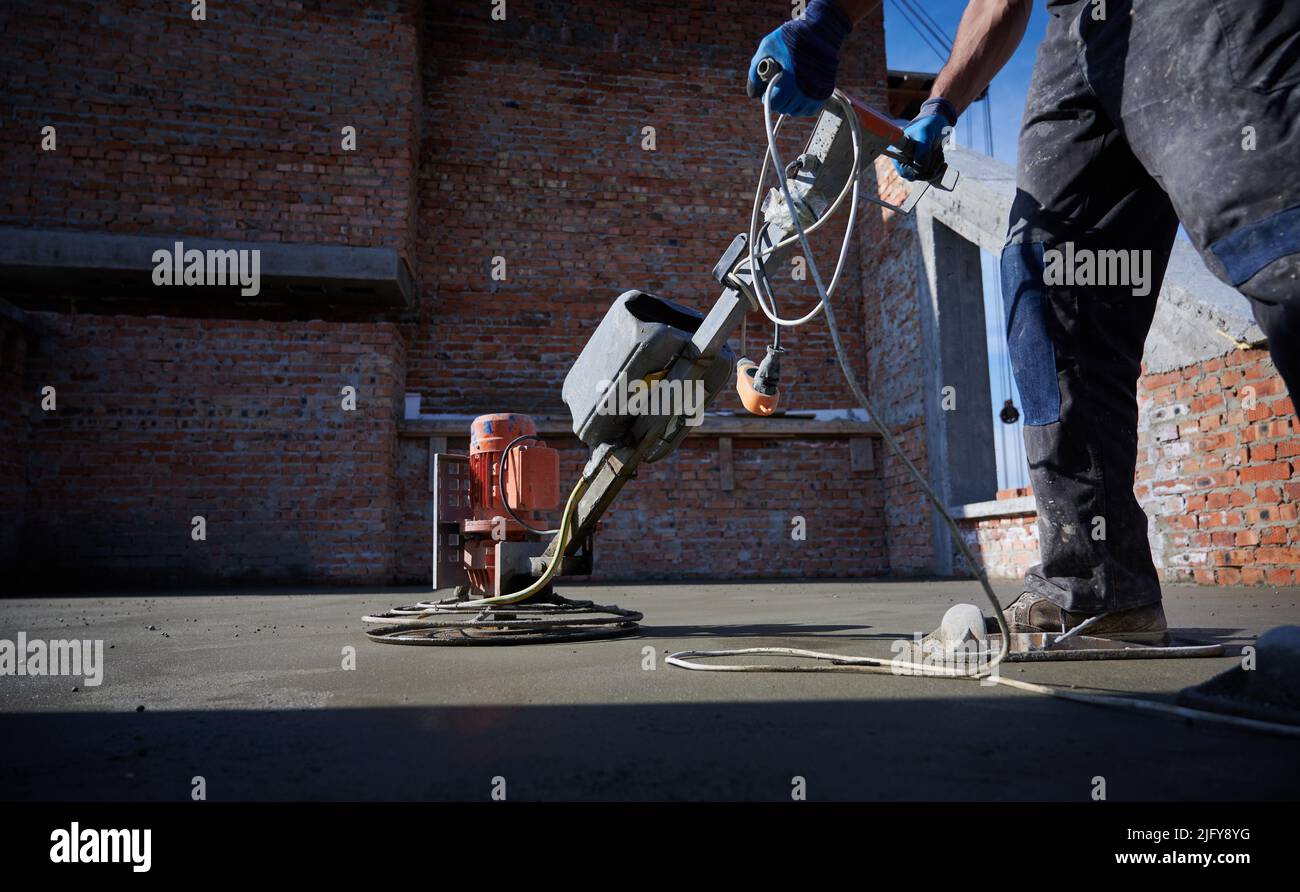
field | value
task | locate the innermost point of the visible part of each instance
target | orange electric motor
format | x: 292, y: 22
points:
x: 532, y: 476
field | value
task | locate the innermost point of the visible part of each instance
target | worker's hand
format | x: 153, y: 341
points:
x: 928, y: 133
x: 808, y: 51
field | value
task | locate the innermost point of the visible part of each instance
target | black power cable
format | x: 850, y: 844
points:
x: 501, y: 484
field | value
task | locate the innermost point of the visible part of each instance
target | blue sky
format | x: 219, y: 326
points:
x: 906, y: 50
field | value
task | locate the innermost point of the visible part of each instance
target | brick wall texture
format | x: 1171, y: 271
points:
x: 524, y: 140
x: 227, y: 128
x: 15, y: 402
x: 1218, y: 476
x: 240, y: 422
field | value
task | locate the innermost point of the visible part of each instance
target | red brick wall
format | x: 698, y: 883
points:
x: 241, y: 422
x: 227, y: 128
x: 1220, y: 481
x: 1005, y: 546
x: 526, y: 135
x: 1220, y: 471
x: 412, y: 539
x: 679, y: 522
x: 897, y: 369
x: 519, y: 139
x: 16, y: 401
x: 676, y: 521
x: 532, y: 152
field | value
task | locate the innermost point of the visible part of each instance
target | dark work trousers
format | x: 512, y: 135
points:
x: 1141, y: 114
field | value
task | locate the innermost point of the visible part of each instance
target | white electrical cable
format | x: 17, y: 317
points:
x: 761, y: 286
x: 866, y: 664
x: 845, y: 663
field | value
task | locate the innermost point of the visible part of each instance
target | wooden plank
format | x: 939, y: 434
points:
x: 436, y: 445
x: 743, y: 426
x: 724, y: 464
x: 862, y: 454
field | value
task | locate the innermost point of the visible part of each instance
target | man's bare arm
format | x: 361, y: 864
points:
x: 989, y: 33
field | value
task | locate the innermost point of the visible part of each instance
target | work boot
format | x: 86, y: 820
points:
x: 1032, y: 613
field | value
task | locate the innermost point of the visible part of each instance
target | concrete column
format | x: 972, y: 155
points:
x: 958, y: 404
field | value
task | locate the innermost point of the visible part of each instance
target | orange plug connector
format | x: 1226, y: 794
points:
x: 754, y: 402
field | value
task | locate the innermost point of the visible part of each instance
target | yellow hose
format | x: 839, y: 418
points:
x: 566, y: 528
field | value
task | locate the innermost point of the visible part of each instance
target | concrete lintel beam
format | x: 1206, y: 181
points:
x: 72, y: 260
x: 995, y: 508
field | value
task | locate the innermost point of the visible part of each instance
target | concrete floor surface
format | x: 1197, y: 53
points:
x: 246, y: 689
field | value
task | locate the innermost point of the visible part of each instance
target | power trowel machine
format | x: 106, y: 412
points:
x: 488, y: 545
x: 501, y: 565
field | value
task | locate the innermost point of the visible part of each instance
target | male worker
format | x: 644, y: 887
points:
x: 1141, y: 114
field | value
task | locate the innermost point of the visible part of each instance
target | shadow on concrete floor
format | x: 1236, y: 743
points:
x: 1017, y: 748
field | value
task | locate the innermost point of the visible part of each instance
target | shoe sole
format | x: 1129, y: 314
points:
x: 1160, y: 636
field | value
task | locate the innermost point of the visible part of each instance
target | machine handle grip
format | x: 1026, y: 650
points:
x: 768, y: 68
x: 934, y: 165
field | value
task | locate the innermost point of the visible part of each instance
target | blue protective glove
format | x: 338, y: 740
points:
x: 927, y: 131
x: 808, y: 51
